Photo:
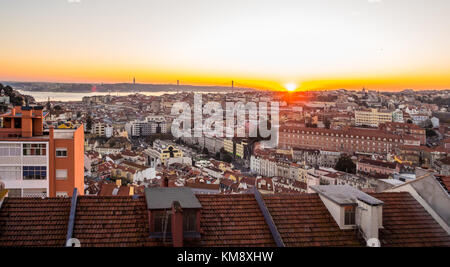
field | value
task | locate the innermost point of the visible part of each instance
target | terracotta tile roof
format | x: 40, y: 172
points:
x: 383, y: 164
x: 233, y: 220
x: 114, y: 190
x: 444, y: 181
x: 407, y: 224
x: 112, y: 221
x: 227, y: 220
x: 34, y: 222
x: 356, y: 132
x: 304, y: 221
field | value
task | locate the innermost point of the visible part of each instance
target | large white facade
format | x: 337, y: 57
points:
x: 25, y: 175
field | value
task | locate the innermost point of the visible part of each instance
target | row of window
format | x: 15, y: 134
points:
x: 34, y: 149
x: 34, y: 172
x: 339, y: 135
x: 14, y: 150
x: 29, y: 173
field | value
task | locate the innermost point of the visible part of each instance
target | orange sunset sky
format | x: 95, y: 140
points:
x: 315, y: 45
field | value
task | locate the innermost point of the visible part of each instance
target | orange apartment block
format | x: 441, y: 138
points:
x: 39, y: 163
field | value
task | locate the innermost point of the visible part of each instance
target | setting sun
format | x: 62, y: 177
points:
x: 291, y: 87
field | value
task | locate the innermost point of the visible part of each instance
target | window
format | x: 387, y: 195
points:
x: 162, y: 221
x: 34, y: 172
x: 61, y: 174
x: 62, y: 194
x: 350, y: 215
x: 34, y: 149
x: 61, y: 152
x: 14, y: 192
x: 9, y: 150
x: 189, y: 220
x: 10, y: 173
x: 35, y: 192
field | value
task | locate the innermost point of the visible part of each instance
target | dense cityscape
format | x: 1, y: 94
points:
x: 370, y: 144
x: 223, y: 132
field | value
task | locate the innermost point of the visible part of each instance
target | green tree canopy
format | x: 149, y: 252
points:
x: 346, y: 164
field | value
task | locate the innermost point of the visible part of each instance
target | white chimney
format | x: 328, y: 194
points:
x: 369, y: 218
x: 352, y: 209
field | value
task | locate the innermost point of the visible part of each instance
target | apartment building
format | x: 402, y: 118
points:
x: 270, y: 167
x: 374, y: 167
x: 38, y: 163
x: 350, y: 140
x: 372, y: 117
x: 212, y: 144
x: 161, y: 152
x: 405, y: 129
x: 237, y: 147
x: 151, y: 125
x: 102, y: 129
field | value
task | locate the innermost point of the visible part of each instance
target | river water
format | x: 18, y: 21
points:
x: 65, y: 97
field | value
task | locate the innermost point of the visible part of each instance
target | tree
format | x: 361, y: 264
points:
x: 431, y: 133
x: 346, y: 164
x: 16, y: 100
x: 227, y: 158
x: 327, y: 123
x: 88, y: 123
x: 205, y: 151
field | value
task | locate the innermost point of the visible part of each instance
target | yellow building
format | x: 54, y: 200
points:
x: 228, y: 145
x: 240, y: 148
x: 161, y: 151
x: 372, y: 117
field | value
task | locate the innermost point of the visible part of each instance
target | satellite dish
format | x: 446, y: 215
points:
x: 374, y: 243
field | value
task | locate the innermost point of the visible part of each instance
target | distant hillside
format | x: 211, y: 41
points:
x: 118, y: 87
x: 15, y: 97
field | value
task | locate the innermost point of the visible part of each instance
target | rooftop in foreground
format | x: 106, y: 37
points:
x: 301, y: 220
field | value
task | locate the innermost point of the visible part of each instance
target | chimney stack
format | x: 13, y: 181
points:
x: 27, y: 122
x: 353, y: 209
x: 177, y: 224
x: 165, y: 182
x: 369, y: 219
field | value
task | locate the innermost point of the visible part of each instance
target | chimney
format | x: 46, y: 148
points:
x: 52, y: 131
x: 177, y: 224
x: 369, y: 218
x: 38, y: 111
x: 183, y: 206
x: 165, y: 182
x: 27, y: 122
x: 353, y: 209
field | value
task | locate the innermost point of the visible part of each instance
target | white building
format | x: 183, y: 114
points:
x: 151, y: 125
x: 102, y: 129
x: 397, y: 116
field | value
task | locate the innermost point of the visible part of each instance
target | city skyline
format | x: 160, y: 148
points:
x: 381, y: 45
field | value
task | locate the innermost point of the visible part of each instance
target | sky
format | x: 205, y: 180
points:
x: 314, y: 45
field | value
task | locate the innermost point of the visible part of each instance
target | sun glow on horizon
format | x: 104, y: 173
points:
x: 291, y: 87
